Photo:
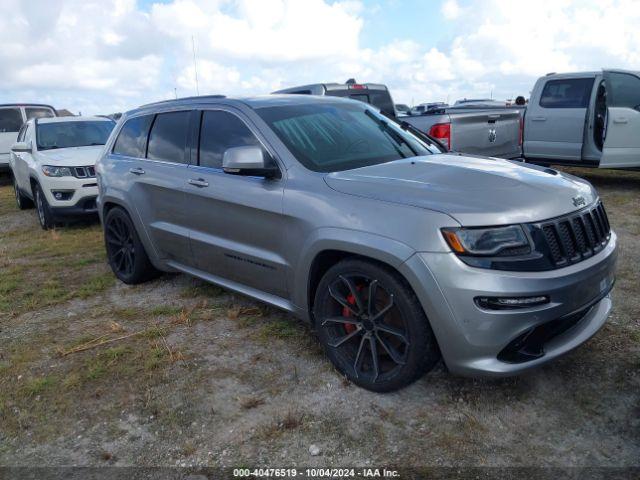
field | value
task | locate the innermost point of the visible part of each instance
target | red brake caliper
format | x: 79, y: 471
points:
x: 351, y: 300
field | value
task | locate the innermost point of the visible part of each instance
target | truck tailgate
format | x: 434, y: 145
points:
x: 492, y: 132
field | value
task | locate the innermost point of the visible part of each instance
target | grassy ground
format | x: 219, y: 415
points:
x: 93, y: 372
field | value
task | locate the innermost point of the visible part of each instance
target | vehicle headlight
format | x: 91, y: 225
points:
x: 53, y: 171
x: 487, y: 241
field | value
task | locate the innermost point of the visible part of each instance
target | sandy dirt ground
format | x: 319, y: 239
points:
x: 194, y: 375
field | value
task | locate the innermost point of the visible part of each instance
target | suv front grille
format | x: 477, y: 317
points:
x: 572, y: 238
x: 84, y: 172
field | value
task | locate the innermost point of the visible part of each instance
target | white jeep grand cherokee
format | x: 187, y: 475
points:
x: 52, y: 165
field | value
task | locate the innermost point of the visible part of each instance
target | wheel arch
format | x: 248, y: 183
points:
x: 107, y: 204
x: 326, y: 247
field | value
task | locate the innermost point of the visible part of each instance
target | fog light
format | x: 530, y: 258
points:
x: 504, y: 303
x: 62, y: 194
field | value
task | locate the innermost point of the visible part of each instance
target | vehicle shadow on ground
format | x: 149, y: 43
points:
x: 5, y: 179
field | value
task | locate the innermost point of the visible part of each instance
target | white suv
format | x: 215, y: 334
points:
x: 52, y: 165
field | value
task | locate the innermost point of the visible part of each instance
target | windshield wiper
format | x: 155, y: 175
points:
x: 395, y: 136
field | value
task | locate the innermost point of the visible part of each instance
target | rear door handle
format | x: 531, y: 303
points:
x: 620, y: 120
x: 539, y: 119
x: 198, y: 182
x: 137, y: 171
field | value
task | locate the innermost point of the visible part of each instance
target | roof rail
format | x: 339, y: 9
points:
x: 550, y: 73
x: 173, y: 100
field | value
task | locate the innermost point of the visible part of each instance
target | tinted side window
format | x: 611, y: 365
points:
x: 168, y: 137
x: 10, y: 120
x: 378, y: 98
x: 133, y: 136
x: 219, y: 131
x: 32, y: 112
x: 624, y: 90
x: 569, y: 93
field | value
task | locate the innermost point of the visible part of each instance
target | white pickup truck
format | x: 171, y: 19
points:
x: 12, y: 117
x: 588, y: 119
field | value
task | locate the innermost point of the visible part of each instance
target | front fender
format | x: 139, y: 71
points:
x: 377, y: 247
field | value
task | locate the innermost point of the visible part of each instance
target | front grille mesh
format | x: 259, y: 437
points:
x: 575, y: 237
x: 84, y: 172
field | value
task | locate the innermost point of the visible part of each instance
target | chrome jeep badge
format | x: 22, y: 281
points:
x: 578, y: 201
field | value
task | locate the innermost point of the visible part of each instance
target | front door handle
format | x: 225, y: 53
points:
x: 198, y: 182
x: 137, y: 171
x: 620, y: 120
x: 539, y: 119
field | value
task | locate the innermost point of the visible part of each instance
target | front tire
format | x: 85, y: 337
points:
x: 372, y: 326
x: 126, y: 255
x: 22, y: 201
x: 45, y: 216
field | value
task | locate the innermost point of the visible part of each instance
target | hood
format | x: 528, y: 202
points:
x: 73, y: 156
x: 473, y: 190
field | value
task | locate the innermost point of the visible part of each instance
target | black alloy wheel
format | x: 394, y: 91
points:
x: 125, y: 252
x: 120, y: 247
x: 372, y: 326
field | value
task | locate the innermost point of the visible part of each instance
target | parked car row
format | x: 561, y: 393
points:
x: 587, y: 119
x: 396, y: 250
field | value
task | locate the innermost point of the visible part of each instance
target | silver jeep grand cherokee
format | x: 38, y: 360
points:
x: 395, y: 251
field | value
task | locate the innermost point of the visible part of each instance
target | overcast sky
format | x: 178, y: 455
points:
x: 104, y: 56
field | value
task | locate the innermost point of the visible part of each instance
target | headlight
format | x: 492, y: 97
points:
x: 487, y: 241
x: 52, y: 171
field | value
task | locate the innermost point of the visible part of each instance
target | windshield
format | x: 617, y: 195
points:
x: 334, y: 137
x: 72, y: 134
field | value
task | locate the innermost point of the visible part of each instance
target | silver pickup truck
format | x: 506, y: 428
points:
x: 587, y: 118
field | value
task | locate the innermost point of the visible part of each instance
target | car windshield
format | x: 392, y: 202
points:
x: 332, y: 137
x: 72, y: 134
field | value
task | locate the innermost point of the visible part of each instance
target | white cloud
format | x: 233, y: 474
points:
x: 106, y: 55
x: 451, y: 10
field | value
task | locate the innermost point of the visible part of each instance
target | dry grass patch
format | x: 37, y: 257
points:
x: 45, y: 268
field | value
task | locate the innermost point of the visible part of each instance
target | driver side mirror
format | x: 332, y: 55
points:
x: 21, y: 147
x: 249, y: 161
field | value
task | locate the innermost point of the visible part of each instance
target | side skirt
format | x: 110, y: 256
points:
x: 274, y: 300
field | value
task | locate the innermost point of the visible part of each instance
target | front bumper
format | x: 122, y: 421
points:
x: 472, y: 338
x: 84, y: 206
x: 81, y: 193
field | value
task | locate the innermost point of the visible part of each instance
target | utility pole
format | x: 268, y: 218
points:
x: 195, y: 68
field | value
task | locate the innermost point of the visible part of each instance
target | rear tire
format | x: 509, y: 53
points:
x: 381, y: 345
x: 45, y: 216
x: 22, y: 201
x: 126, y: 255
